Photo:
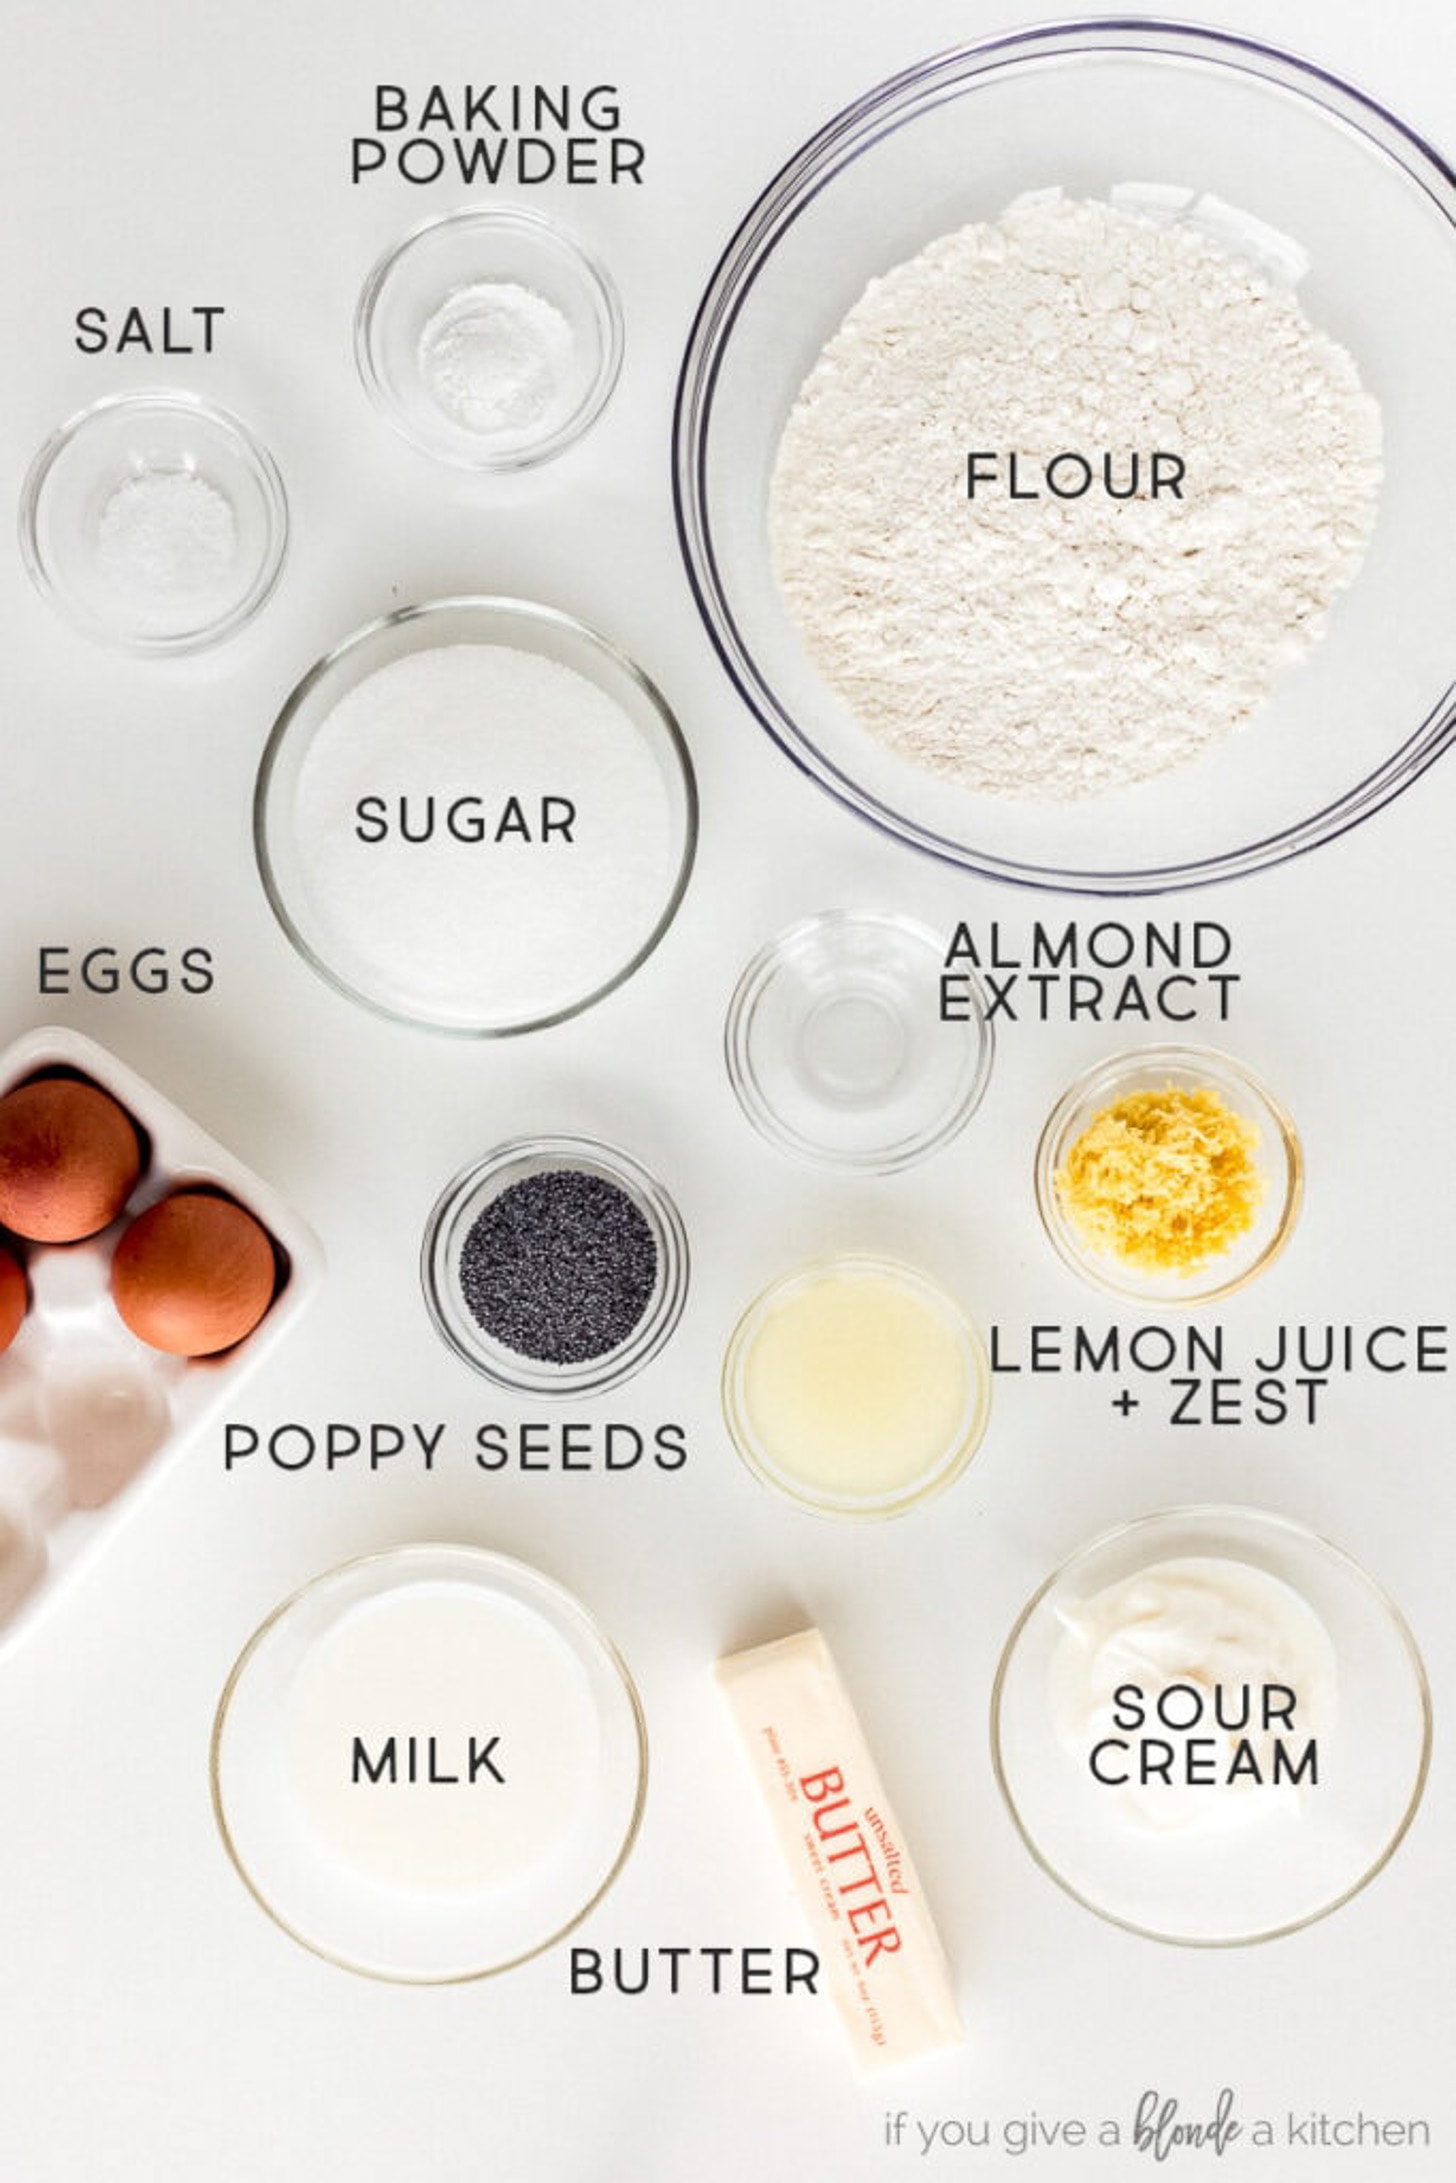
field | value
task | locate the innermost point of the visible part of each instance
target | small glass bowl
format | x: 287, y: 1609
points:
x: 835, y: 1046
x: 1256, y: 1876
x: 1183, y: 1068
x: 351, y: 1916
x: 462, y: 1204
x: 765, y: 1452
x: 284, y: 862
x: 116, y: 445
x: 445, y: 258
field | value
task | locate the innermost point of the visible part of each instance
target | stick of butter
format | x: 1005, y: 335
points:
x: 843, y: 1845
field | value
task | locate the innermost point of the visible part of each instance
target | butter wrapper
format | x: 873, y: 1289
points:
x: 845, y: 1850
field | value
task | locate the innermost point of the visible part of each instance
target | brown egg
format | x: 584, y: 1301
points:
x: 69, y: 1156
x: 14, y: 1297
x: 193, y: 1274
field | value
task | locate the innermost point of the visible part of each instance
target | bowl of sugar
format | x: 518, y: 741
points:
x: 475, y: 815
x: 1061, y: 460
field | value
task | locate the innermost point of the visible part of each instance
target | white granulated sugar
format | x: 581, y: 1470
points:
x: 492, y: 931
x: 497, y: 359
x: 1048, y: 648
x: 164, y: 536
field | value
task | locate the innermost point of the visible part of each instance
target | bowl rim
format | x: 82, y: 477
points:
x: 1213, y: 1513
x: 797, y: 182
x: 524, y: 614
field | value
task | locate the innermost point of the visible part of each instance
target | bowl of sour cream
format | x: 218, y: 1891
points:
x: 1211, y: 1726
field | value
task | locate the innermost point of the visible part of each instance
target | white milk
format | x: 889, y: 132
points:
x: 429, y: 1682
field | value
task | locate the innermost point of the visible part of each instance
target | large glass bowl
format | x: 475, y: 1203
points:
x: 1088, y: 106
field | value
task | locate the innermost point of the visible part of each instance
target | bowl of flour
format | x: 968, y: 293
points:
x: 1059, y: 461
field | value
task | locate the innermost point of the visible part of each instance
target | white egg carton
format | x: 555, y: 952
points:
x: 89, y: 1415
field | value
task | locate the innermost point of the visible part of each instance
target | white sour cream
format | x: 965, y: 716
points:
x: 1198, y: 1693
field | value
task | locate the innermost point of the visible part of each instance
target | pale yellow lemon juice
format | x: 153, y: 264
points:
x: 856, y: 1385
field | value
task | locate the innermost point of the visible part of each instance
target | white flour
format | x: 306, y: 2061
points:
x: 1055, y: 648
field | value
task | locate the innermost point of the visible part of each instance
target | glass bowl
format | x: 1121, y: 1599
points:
x: 422, y: 1655
x: 1088, y: 106
x: 1277, y: 1157
x: 835, y: 1046
x: 1214, y: 1865
x: 154, y: 522
x: 856, y: 1387
x: 445, y: 1276
x: 412, y: 960
x: 448, y: 289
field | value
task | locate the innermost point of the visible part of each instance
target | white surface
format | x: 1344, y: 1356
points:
x: 154, y: 2028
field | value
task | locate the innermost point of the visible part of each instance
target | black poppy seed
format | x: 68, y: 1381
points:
x: 560, y: 1267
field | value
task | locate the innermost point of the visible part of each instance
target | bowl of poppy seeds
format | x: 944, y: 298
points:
x: 555, y: 1265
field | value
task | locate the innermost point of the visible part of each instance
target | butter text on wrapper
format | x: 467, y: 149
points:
x: 845, y: 1850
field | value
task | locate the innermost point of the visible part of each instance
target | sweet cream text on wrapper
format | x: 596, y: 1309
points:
x: 845, y: 1850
